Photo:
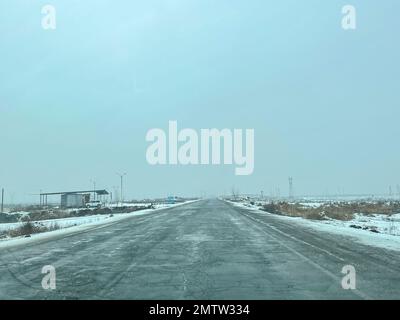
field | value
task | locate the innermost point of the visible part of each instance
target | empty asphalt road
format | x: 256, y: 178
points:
x: 203, y: 250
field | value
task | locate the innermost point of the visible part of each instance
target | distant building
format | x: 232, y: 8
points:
x: 73, y: 200
x: 171, y: 200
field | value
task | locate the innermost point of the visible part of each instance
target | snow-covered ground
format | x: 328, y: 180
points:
x: 129, y: 204
x: 387, y: 227
x: 75, y: 224
x: 21, y: 213
x: 61, y: 223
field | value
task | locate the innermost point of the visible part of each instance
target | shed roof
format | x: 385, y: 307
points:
x: 98, y: 192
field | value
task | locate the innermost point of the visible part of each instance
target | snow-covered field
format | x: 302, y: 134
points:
x: 377, y: 230
x: 75, y: 224
x: 62, y: 223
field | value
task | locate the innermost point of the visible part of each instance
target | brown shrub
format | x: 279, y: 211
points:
x: 29, y: 228
x: 334, y: 210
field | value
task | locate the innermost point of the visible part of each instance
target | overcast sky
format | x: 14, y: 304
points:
x: 76, y: 102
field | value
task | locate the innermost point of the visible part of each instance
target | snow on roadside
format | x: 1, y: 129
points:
x: 76, y: 224
x: 359, y: 228
x: 21, y: 213
x: 379, y: 223
x: 129, y: 204
x: 60, y: 223
x: 381, y: 240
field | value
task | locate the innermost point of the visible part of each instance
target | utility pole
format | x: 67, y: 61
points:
x: 2, y: 200
x: 94, y: 189
x: 290, y: 188
x: 116, y: 193
x: 121, y: 175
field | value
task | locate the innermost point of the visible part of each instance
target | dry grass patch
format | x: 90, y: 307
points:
x: 334, y: 210
x: 28, y: 228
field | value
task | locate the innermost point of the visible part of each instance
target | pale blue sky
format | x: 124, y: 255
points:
x: 76, y: 102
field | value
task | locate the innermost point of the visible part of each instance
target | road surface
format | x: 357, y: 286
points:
x: 203, y: 250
